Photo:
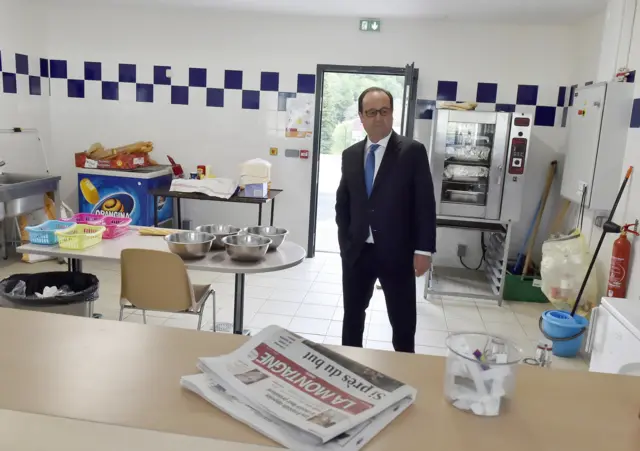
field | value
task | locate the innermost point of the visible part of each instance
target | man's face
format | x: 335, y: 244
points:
x: 377, y: 114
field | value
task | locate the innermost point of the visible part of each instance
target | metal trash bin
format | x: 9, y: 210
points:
x: 84, y: 289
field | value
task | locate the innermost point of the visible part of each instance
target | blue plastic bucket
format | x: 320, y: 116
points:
x: 566, y: 331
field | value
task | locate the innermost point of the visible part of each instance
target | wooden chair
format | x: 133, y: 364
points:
x: 157, y: 280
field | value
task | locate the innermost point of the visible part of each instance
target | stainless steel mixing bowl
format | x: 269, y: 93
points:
x: 277, y: 234
x: 190, y: 245
x: 246, y: 248
x: 220, y: 231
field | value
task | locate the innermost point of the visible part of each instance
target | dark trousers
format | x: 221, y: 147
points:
x: 399, y: 287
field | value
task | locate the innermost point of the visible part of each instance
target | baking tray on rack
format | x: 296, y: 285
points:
x: 468, y: 197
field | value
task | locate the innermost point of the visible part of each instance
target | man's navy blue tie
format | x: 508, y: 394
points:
x: 370, y: 168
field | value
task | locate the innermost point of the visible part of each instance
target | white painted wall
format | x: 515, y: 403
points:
x: 616, y: 37
x: 21, y: 30
x: 508, y: 54
x: 467, y: 53
x: 587, y: 50
x: 629, y: 208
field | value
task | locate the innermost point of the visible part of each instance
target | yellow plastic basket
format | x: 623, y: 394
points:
x: 80, y: 236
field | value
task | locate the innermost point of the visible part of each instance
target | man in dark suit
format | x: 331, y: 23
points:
x: 385, y: 211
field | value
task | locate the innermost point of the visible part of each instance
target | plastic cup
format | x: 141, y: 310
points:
x: 480, y: 373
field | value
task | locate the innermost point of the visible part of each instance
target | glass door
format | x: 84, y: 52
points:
x: 467, y: 163
x: 338, y: 126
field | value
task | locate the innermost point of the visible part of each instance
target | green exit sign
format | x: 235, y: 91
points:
x: 370, y: 25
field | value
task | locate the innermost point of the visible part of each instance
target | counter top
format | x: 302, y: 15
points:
x: 77, y: 435
x: 286, y: 256
x: 126, y: 374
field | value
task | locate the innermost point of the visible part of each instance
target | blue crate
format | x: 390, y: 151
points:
x: 45, y: 232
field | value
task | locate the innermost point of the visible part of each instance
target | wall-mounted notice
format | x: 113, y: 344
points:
x: 300, y: 117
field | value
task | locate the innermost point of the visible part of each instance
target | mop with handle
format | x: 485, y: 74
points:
x: 604, y: 233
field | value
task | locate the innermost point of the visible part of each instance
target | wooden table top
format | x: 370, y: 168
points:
x: 128, y: 375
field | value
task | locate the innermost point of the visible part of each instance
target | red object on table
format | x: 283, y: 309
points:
x: 121, y: 161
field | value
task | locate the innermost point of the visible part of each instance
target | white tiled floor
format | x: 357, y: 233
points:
x: 308, y: 299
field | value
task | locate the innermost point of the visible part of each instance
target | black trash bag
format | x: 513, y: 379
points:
x: 84, y: 288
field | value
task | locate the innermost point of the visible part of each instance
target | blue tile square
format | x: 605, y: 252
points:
x: 232, y: 79
x: 44, y: 67
x: 527, y: 95
x: 447, y: 90
x: 215, y: 97
x: 250, y: 100
x: 9, y: 83
x: 22, y: 64
x: 160, y: 75
x: 110, y: 90
x: 197, y: 77
x: 127, y: 73
x: 306, y: 83
x: 505, y: 108
x: 144, y: 92
x: 545, y: 116
x: 75, y: 88
x: 180, y: 95
x: 92, y: 71
x: 487, y: 93
x: 631, y: 78
x: 635, y: 114
x: 58, y: 68
x: 282, y: 99
x: 572, y: 94
x: 35, y: 89
x: 562, y: 95
x: 269, y: 81
x: 425, y: 108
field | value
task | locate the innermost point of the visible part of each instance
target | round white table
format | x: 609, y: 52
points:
x: 286, y: 256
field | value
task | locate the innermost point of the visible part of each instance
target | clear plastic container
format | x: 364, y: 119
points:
x: 480, y: 373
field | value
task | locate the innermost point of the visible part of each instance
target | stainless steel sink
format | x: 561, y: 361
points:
x: 24, y: 193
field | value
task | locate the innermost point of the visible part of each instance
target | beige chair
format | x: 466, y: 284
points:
x: 157, y: 280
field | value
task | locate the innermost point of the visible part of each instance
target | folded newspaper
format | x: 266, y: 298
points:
x: 300, y: 393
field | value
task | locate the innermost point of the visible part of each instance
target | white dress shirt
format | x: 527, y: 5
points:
x: 379, y: 153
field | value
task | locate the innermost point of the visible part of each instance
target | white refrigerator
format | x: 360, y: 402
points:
x: 614, y: 337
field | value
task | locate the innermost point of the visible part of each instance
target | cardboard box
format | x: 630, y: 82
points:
x: 256, y: 190
x: 121, y: 161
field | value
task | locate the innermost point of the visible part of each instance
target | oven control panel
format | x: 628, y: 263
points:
x: 518, y: 156
x: 515, y: 163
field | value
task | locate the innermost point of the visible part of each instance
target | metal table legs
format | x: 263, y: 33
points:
x: 273, y: 207
x: 155, y: 211
x: 238, y: 305
x: 74, y: 265
x: 179, y: 208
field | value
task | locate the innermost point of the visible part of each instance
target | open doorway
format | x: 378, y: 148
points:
x: 338, y: 126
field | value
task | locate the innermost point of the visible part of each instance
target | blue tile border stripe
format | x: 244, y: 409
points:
x: 182, y: 92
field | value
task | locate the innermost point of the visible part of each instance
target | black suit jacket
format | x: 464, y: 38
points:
x: 401, y: 210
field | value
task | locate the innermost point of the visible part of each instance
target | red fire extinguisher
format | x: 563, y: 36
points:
x: 620, y: 257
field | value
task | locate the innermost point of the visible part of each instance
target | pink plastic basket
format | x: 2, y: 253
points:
x: 85, y: 218
x: 115, y: 226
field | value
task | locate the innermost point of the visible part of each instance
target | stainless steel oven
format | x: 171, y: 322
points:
x: 478, y: 162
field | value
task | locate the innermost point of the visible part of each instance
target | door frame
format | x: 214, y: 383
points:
x: 315, y: 156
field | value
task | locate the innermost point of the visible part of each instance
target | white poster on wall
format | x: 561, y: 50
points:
x: 300, y: 112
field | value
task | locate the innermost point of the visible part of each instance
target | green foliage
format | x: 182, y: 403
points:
x: 340, y: 105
